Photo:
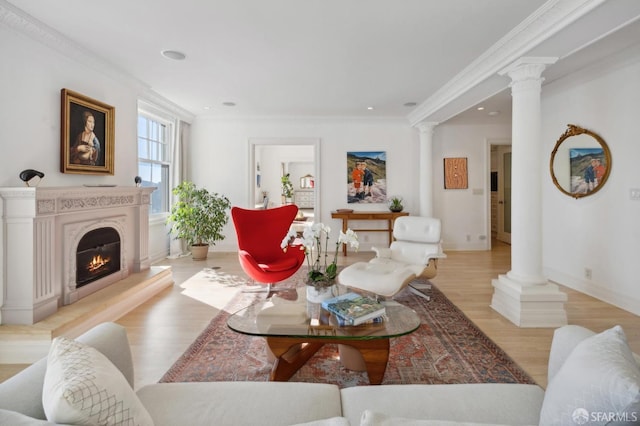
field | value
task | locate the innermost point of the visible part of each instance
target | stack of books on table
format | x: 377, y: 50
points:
x: 355, y: 309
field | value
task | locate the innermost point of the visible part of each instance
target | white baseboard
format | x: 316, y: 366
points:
x: 595, y: 289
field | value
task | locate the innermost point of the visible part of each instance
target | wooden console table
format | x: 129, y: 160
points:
x: 390, y: 217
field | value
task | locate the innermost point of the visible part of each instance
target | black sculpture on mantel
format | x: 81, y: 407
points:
x: 27, y: 175
x: 138, y: 181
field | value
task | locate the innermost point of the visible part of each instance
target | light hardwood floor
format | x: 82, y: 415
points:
x: 161, y: 329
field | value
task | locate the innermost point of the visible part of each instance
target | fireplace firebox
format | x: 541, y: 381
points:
x: 97, y: 256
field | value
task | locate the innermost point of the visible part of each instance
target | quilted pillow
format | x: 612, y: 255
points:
x: 81, y: 386
x: 598, y: 383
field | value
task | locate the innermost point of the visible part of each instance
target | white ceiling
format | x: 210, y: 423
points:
x: 290, y: 57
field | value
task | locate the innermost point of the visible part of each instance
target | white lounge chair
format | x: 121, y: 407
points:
x: 413, y: 253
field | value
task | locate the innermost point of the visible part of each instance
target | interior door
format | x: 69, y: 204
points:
x: 504, y: 194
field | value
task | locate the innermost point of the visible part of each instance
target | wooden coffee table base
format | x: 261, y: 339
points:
x: 292, y: 353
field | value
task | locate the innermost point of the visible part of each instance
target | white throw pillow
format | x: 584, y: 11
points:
x: 599, y: 383
x: 81, y: 386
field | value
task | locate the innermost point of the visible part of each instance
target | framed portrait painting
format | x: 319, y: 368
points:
x: 366, y: 177
x: 87, y: 135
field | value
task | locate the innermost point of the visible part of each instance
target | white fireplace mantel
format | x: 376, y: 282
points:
x: 35, y: 268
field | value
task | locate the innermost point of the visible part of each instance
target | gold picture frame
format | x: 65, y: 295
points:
x: 87, y: 142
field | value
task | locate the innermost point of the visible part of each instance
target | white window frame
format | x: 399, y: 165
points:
x: 153, y: 113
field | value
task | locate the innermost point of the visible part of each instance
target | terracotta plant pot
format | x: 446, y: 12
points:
x: 200, y: 252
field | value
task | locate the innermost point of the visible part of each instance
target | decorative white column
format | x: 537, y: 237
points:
x: 29, y: 268
x: 523, y: 295
x: 425, y: 185
x: 141, y: 259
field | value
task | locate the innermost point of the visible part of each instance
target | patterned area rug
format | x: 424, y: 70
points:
x: 447, y: 348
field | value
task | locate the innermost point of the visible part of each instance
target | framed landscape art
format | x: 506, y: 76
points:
x: 587, y: 167
x: 367, y: 177
x: 87, y: 135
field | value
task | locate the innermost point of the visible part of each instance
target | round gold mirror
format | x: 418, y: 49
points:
x: 580, y: 162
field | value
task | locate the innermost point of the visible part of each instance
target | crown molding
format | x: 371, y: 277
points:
x: 549, y: 19
x: 26, y: 24
x: 23, y: 23
x: 303, y: 118
x: 153, y: 99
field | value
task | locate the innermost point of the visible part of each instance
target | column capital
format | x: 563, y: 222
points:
x: 527, y: 68
x: 426, y: 126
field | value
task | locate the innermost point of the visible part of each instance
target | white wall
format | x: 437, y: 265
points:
x: 31, y: 77
x: 226, y: 170
x: 600, y: 232
x: 464, y: 212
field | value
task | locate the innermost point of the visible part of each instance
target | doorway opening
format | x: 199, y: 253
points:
x: 272, y: 158
x: 500, y: 190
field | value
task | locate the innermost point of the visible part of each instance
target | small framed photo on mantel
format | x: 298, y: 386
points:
x: 87, y: 142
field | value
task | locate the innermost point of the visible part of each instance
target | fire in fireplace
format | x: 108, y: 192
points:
x: 98, y: 255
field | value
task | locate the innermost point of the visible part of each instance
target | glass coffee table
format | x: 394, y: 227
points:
x: 296, y: 329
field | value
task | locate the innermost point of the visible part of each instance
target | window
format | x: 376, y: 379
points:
x: 154, y: 140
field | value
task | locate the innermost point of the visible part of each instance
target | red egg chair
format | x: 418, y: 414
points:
x: 260, y: 234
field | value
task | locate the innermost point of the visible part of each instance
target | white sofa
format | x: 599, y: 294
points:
x: 269, y: 403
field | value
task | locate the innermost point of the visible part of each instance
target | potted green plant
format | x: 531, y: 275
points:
x: 395, y: 204
x: 198, y: 217
x: 287, y: 188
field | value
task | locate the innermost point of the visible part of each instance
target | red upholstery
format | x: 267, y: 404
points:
x: 260, y: 233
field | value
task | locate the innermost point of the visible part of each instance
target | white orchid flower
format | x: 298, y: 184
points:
x: 315, y: 243
x: 316, y: 229
x: 287, y: 239
x: 350, y: 237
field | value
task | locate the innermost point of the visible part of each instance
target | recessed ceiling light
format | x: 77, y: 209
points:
x: 229, y: 104
x: 206, y: 107
x: 370, y: 108
x: 493, y: 113
x: 173, y: 54
x: 410, y: 104
x: 480, y: 108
